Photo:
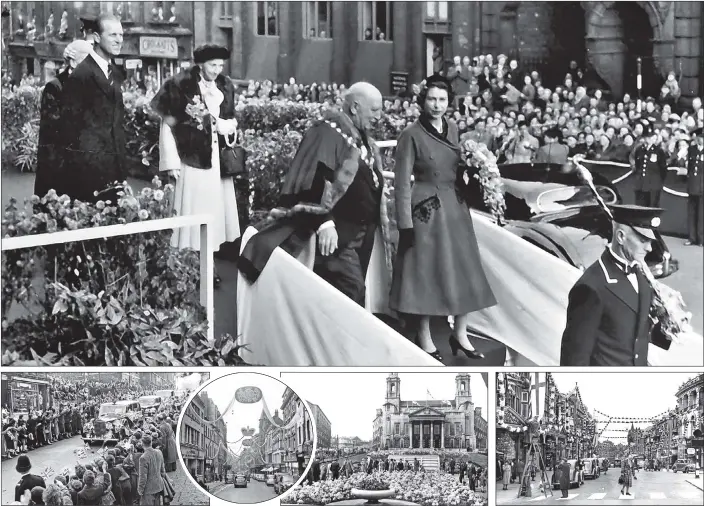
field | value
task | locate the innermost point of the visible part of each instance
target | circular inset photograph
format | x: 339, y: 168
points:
x: 256, y: 438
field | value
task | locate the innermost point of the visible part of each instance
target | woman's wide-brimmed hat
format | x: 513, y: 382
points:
x: 209, y: 52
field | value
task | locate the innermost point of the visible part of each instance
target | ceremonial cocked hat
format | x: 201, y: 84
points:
x: 644, y: 220
x: 209, y: 52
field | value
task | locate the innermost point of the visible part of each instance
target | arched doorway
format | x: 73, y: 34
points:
x: 638, y: 40
x: 568, y: 25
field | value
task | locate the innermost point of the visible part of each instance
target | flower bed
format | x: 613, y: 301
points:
x: 426, y: 489
x: 132, y: 300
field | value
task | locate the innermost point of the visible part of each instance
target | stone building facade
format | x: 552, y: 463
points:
x: 481, y: 429
x: 690, y: 417
x: 426, y: 424
x: 329, y: 42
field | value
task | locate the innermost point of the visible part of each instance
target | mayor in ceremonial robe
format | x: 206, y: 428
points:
x: 608, y: 316
x: 333, y: 194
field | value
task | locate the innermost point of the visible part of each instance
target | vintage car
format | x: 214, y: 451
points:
x: 574, y: 479
x: 114, y: 421
x: 165, y: 394
x: 240, y: 480
x: 150, y: 402
x: 592, y: 469
x: 550, y: 207
x: 684, y: 466
x: 269, y: 479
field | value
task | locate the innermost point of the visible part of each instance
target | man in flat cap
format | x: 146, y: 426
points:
x: 649, y: 169
x: 608, y: 322
x: 695, y: 189
x: 93, y: 107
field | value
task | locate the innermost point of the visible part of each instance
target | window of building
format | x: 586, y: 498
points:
x: 376, y: 21
x: 458, y: 427
x: 317, y: 20
x: 397, y: 428
x: 436, y: 11
x: 227, y: 10
x: 268, y: 18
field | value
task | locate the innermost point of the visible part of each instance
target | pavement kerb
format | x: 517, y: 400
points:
x: 696, y: 483
x: 218, y: 489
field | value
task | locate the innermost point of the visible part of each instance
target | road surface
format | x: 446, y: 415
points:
x: 254, y: 492
x: 653, y: 487
x: 63, y: 454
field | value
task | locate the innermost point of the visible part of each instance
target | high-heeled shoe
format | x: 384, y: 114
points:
x: 456, y: 346
x: 435, y: 354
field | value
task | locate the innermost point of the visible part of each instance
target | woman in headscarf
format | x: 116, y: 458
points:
x: 197, y: 132
x: 626, y: 474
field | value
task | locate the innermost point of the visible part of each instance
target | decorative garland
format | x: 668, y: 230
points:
x: 501, y: 409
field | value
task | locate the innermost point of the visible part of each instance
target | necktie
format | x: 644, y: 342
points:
x: 110, y: 79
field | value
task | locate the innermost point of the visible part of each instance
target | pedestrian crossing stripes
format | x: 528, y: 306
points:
x: 597, y: 496
x: 626, y: 497
x: 657, y: 495
x: 568, y: 498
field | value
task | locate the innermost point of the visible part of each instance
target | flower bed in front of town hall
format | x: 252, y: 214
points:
x: 426, y: 489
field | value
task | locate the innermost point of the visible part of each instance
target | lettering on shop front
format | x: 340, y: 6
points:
x: 159, y: 47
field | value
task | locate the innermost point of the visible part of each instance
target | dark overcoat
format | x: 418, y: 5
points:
x: 50, y: 149
x: 695, y: 171
x: 94, y: 115
x: 608, y: 323
x: 650, y: 168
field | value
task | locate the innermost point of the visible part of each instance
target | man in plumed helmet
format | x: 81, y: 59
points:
x: 649, y: 169
x: 695, y: 189
x: 608, y: 321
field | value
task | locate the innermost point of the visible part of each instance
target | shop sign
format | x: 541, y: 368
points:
x: 399, y: 81
x: 132, y: 64
x: 158, y: 47
x: 189, y: 453
x: 691, y: 451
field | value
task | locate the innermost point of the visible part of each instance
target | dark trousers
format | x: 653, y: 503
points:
x: 648, y: 198
x: 695, y: 218
x: 565, y: 492
x: 346, y: 268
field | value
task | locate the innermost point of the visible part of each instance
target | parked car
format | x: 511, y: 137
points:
x: 591, y: 469
x: 284, y: 481
x: 112, y: 418
x: 150, y: 402
x: 240, y: 480
x: 574, y: 479
x: 552, y: 209
x: 269, y: 480
x: 617, y: 463
x: 684, y: 466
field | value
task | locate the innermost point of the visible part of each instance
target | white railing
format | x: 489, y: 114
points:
x: 87, y: 234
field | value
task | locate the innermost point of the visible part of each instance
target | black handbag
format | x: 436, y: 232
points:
x: 232, y: 161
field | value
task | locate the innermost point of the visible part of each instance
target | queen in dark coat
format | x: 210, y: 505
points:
x: 438, y: 271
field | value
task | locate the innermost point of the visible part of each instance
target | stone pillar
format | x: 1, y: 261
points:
x: 462, y: 24
x: 442, y: 435
x: 417, y: 42
x: 401, y: 46
x: 286, y: 46
x: 340, y: 44
x: 688, y: 46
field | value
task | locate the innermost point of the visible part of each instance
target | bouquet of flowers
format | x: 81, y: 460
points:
x: 478, y: 155
x: 668, y: 308
x: 198, y: 111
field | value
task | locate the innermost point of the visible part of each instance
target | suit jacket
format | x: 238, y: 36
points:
x: 608, y: 323
x: 650, y: 168
x: 50, y: 149
x: 94, y: 113
x: 151, y: 470
x: 28, y: 482
x: 695, y: 171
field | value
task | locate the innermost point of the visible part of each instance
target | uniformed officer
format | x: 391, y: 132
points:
x: 608, y: 322
x: 552, y: 151
x: 695, y: 188
x: 28, y: 481
x: 649, y: 170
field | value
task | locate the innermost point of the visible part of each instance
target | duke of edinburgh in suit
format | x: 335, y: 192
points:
x: 334, y: 189
x: 94, y: 115
x: 608, y: 321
